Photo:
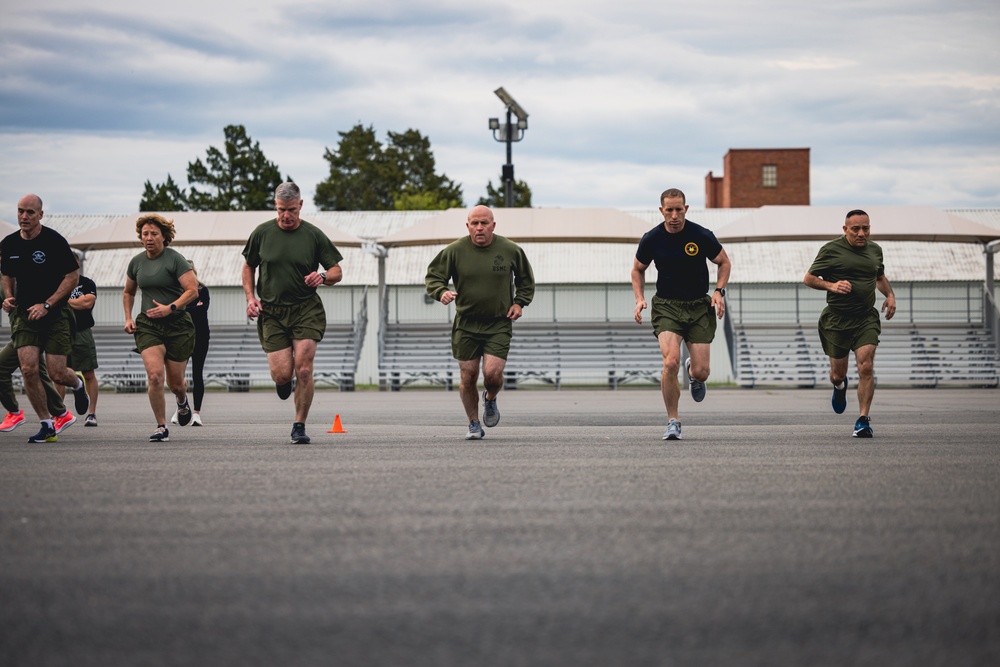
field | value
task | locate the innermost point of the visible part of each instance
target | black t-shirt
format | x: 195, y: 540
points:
x: 198, y: 309
x: 38, y: 266
x: 84, y: 318
x: 681, y: 259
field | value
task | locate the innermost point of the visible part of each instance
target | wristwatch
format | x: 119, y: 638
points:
x: 721, y: 290
x: 173, y: 307
x: 321, y: 274
x: 45, y: 305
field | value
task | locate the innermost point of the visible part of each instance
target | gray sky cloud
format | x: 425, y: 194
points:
x: 898, y: 100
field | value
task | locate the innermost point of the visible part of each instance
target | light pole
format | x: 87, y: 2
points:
x: 509, y: 133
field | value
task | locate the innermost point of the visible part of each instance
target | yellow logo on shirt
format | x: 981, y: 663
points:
x: 691, y: 249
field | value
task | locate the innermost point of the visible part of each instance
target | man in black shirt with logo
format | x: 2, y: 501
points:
x: 682, y: 309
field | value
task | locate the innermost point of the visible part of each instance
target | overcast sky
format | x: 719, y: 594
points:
x: 899, y: 100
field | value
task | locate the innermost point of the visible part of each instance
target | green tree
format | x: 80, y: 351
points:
x: 367, y: 176
x: 497, y: 198
x: 163, y: 197
x: 239, y: 179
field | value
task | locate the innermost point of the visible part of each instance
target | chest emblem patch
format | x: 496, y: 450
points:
x: 38, y: 257
x: 691, y: 249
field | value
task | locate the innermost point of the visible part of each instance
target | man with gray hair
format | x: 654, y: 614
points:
x: 290, y: 316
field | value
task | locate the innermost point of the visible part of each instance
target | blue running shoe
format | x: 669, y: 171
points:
x: 863, y: 428
x: 839, y: 400
x: 80, y: 396
x: 47, y: 434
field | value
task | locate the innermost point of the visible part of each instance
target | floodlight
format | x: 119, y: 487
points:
x: 511, y: 104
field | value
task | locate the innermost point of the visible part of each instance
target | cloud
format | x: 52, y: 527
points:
x: 622, y: 97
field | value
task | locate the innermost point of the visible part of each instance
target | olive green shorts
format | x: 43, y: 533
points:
x: 278, y: 326
x: 694, y: 321
x: 52, y: 334
x: 176, y: 333
x: 840, y: 334
x: 84, y: 355
x: 469, y: 345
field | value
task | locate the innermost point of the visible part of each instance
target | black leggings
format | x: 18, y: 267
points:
x: 198, y: 370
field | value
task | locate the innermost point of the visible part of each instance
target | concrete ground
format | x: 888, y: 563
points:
x: 571, y: 535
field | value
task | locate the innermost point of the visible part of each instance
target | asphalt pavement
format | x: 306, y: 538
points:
x: 571, y: 535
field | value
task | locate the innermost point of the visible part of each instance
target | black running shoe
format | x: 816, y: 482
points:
x: 299, y: 436
x: 839, y: 399
x: 161, y: 435
x: 284, y: 390
x: 81, y: 398
x: 184, y: 413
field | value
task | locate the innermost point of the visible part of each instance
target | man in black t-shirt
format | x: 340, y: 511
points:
x: 682, y: 310
x: 83, y: 358
x: 38, y: 273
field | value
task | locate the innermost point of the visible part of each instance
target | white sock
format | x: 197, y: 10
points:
x: 843, y: 383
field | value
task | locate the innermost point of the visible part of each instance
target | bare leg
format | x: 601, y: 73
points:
x: 154, y: 358
x: 493, y: 375
x: 468, y: 388
x: 838, y: 370
x: 670, y: 347
x: 175, y: 379
x: 305, y: 356
x: 280, y: 363
x: 865, y: 357
x: 701, y: 356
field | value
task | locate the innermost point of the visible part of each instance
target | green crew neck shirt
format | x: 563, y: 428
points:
x: 838, y: 260
x: 285, y: 258
x: 488, y: 280
x: 159, y: 277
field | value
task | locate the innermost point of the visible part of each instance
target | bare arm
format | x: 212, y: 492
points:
x: 38, y: 310
x: 128, y: 301
x: 253, y: 305
x: 639, y: 288
x: 721, y: 280
x: 815, y: 282
x: 84, y: 302
x: 9, y: 301
x: 889, y: 305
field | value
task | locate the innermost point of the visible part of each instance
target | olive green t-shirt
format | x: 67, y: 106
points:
x: 285, y: 258
x: 488, y: 281
x: 838, y: 260
x: 158, y: 278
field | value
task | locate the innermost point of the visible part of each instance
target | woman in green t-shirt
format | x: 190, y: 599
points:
x: 163, y: 330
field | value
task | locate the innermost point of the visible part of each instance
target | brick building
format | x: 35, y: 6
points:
x: 756, y: 177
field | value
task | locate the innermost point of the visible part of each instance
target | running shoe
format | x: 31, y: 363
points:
x: 173, y: 420
x: 184, y: 413
x: 46, y: 434
x: 196, y: 420
x: 91, y: 420
x: 81, y: 397
x: 299, y: 436
x: 12, y: 420
x: 162, y: 434
x: 863, y: 428
x: 491, y: 415
x: 673, y: 431
x: 284, y: 390
x: 839, y: 399
x: 476, y: 431
x: 697, y: 387
x: 63, y: 422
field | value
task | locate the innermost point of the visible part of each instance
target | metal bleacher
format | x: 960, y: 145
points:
x: 606, y: 353
x: 912, y: 355
x: 235, y: 359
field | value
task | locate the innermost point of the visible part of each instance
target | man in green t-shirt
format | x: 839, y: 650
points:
x: 850, y: 269
x: 292, y: 319
x: 493, y: 282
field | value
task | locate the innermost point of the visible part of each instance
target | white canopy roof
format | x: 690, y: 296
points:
x: 195, y: 228
x: 822, y: 223
x: 523, y: 225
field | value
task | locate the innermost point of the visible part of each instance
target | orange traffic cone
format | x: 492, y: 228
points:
x: 337, y: 427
